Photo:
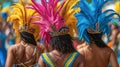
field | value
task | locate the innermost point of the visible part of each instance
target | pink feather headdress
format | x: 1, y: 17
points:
x: 51, y: 20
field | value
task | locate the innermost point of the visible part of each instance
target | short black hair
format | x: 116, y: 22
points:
x: 28, y: 37
x: 97, y: 39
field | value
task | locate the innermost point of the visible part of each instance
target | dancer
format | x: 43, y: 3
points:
x: 92, y: 24
x: 25, y: 52
x: 54, y: 31
x: 63, y: 53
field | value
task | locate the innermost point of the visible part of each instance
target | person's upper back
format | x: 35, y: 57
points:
x: 26, y: 55
x: 95, y: 56
x: 69, y: 60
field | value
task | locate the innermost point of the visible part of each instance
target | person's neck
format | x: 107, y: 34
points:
x: 23, y: 44
x: 57, y: 52
x: 91, y: 44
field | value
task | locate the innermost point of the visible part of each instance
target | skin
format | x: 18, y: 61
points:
x: 98, y: 57
x: 42, y: 47
x: 114, y: 33
x: 113, y: 60
x: 118, y: 37
x: 79, y: 62
x: 10, y: 59
x: 77, y: 42
x: 24, y: 53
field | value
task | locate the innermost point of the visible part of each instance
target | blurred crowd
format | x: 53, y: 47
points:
x: 8, y: 38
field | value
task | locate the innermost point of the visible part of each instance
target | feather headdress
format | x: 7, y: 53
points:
x: 53, y: 16
x: 92, y: 17
x: 22, y: 19
x: 68, y: 14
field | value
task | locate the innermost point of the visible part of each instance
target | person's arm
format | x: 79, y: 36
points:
x: 82, y: 61
x: 41, y: 63
x: 113, y: 60
x: 10, y: 57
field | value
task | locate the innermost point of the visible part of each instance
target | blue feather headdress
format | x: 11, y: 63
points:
x: 92, y: 17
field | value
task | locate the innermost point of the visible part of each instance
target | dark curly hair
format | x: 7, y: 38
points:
x: 27, y: 37
x: 62, y: 43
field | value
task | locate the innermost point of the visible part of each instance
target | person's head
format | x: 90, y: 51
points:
x: 96, y: 38
x: 27, y: 38
x: 62, y: 43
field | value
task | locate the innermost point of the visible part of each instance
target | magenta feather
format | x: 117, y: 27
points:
x: 49, y: 15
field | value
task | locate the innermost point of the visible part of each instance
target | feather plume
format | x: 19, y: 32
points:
x: 54, y: 16
x: 90, y: 15
x: 50, y: 17
x: 21, y: 16
x: 68, y: 14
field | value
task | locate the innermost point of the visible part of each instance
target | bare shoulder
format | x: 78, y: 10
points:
x: 81, y: 48
x: 12, y: 48
x: 108, y: 50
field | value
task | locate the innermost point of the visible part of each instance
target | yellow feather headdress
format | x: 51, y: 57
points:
x: 68, y: 14
x: 21, y: 19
